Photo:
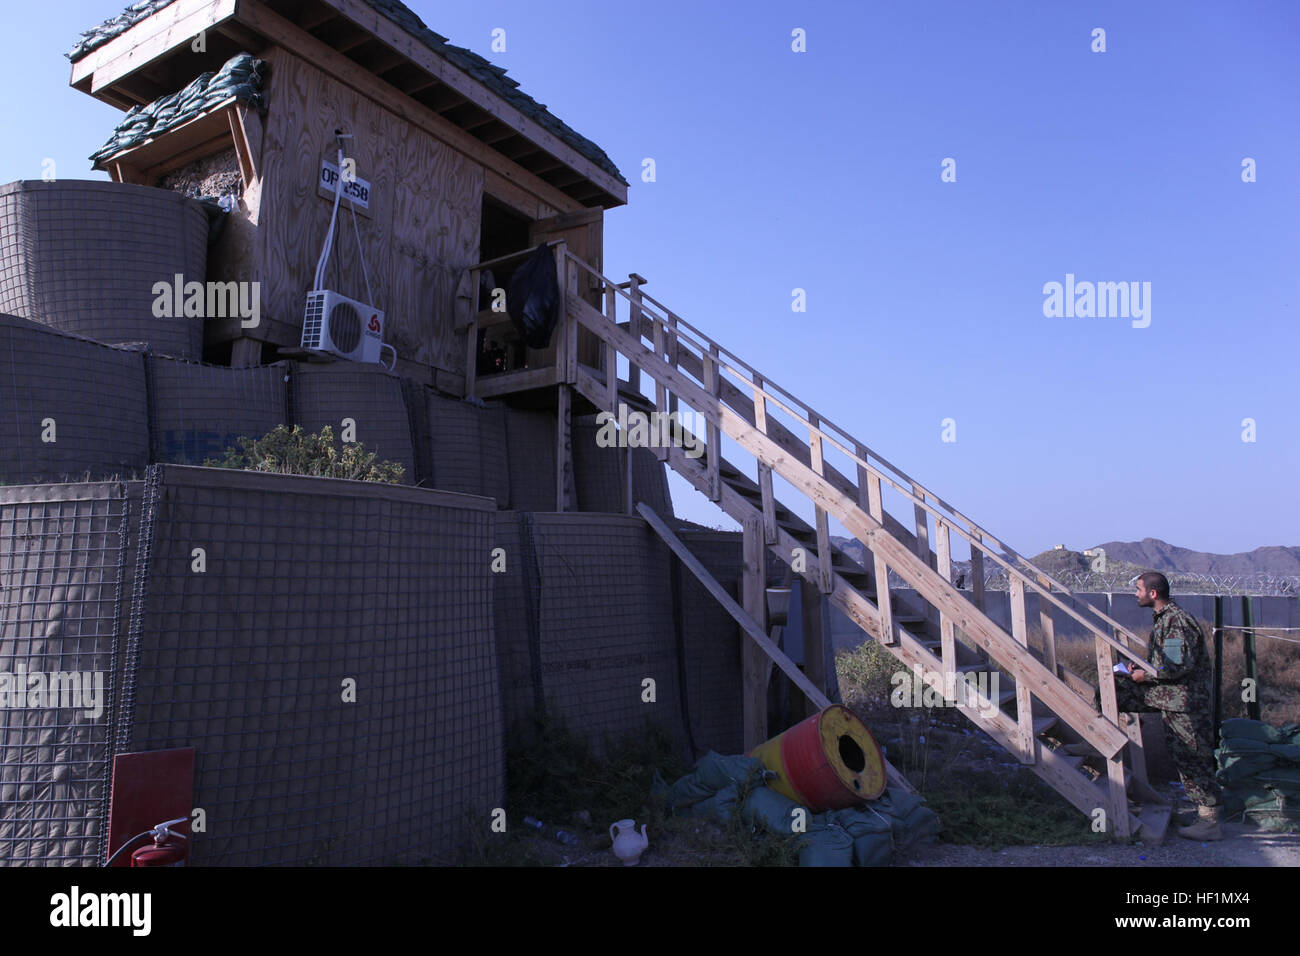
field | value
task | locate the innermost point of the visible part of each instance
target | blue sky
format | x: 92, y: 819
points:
x: 821, y: 170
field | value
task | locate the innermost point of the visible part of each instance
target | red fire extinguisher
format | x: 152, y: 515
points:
x: 169, y: 848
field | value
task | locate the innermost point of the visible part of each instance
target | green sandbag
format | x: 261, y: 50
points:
x: 775, y: 811
x: 712, y: 773
x: 1242, y: 798
x: 872, y: 833
x: 721, y: 806
x: 1289, y: 752
x: 1234, y: 768
x: 1244, y: 745
x: 1281, y: 776
x: 913, y: 822
x: 1250, y: 729
x: 825, y: 845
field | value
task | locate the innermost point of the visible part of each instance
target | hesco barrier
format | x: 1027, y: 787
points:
x: 307, y: 585
x: 600, y: 475
x: 712, y: 642
x: 197, y: 411
x: 530, y: 436
x: 68, y: 406
x: 605, y: 626
x: 65, y: 577
x: 468, y: 447
x: 326, y: 394
x: 84, y: 256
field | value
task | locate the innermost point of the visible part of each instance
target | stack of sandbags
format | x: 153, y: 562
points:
x: 1259, y: 772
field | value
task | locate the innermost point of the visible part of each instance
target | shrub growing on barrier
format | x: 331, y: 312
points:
x: 286, y: 451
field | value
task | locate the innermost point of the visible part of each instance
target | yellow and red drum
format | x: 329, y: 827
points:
x: 828, y: 762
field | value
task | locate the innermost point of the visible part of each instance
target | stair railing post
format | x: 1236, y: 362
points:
x: 947, y: 629
x: 711, y: 385
x: 764, y: 471
x: 1024, y: 700
x: 977, y: 571
x: 1117, y: 818
x: 884, y: 601
x: 824, y: 559
x: 635, y: 325
x: 611, y: 353
x: 1048, y: 627
x: 661, y: 391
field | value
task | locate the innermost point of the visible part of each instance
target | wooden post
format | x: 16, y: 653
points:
x: 764, y: 471
x: 661, y: 391
x: 471, y: 352
x: 814, y: 639
x: 245, y: 353
x: 1216, y: 682
x: 824, y: 559
x: 1117, y: 821
x: 564, y: 449
x: 876, y: 508
x: 947, y: 629
x: 1024, y: 701
x: 714, y: 436
x: 922, y: 528
x: 977, y: 571
x: 1248, y: 647
x: 671, y: 355
x: 1047, y: 626
x: 635, y: 325
x: 627, y: 462
x: 753, y: 661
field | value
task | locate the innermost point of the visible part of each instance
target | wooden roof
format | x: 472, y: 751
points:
x: 145, y: 53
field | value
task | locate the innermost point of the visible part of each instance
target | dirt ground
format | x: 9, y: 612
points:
x: 1243, y: 845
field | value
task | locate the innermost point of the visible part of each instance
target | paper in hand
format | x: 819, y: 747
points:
x: 1122, y: 668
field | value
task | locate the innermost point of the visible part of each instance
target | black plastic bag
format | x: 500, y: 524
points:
x: 533, y: 297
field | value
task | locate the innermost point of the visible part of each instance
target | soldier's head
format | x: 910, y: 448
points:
x: 1152, y: 587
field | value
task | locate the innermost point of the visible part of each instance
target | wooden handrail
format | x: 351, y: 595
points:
x: 522, y: 254
x: 976, y: 537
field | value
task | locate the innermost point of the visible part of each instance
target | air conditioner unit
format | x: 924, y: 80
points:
x: 344, y: 327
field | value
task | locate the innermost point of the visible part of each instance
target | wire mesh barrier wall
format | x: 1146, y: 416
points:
x: 600, y: 476
x: 468, y: 444
x: 328, y: 652
x: 327, y: 394
x: 84, y: 256
x: 531, y: 436
x: 515, y: 595
x: 606, y: 626
x: 313, y: 590
x: 198, y: 411
x: 64, y: 576
x: 68, y: 407
x: 712, y: 643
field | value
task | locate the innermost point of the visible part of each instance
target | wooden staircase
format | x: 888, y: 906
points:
x: 929, y: 625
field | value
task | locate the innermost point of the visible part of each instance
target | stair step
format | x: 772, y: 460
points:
x: 1152, y: 823
x: 1043, y: 724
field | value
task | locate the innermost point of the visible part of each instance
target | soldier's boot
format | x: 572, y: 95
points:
x: 1206, y: 826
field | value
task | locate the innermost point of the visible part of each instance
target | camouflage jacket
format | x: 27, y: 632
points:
x: 1180, y: 660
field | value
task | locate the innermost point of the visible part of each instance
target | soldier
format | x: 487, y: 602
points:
x: 1178, y: 687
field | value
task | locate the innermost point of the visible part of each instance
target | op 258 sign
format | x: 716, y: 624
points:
x: 356, y: 188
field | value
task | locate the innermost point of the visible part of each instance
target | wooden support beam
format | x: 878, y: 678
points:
x: 1117, y: 815
x: 922, y: 527
x: 753, y: 663
x: 764, y: 471
x: 1027, y: 739
x: 977, y: 573
x: 611, y: 353
x: 637, y: 326
x: 661, y: 392
x: 564, y: 491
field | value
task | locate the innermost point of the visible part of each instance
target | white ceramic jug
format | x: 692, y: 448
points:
x: 628, y: 844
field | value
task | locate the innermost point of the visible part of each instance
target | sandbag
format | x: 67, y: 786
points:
x: 773, y: 811
x: 1234, y: 767
x: 872, y: 834
x: 720, y: 807
x: 713, y: 772
x: 825, y: 844
x: 532, y: 298
x: 1250, y: 730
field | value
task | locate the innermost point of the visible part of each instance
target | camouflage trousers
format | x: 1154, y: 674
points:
x: 1189, y: 733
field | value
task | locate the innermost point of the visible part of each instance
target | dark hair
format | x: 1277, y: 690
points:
x: 1155, y: 581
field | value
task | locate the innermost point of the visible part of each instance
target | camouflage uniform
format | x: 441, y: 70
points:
x: 1181, y: 694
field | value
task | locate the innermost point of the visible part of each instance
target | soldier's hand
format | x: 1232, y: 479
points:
x: 1139, y: 676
